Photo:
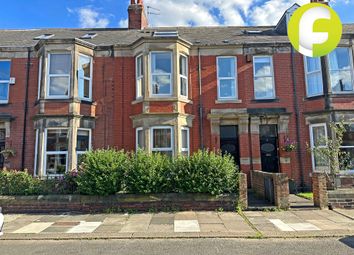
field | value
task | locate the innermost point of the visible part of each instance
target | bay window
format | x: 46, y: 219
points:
x: 140, y: 139
x: 56, y: 151
x: 139, y: 76
x: 263, y: 77
x: 318, y: 139
x: 346, y: 159
x: 341, y: 70
x: 83, y: 143
x: 5, y: 67
x: 85, y: 77
x: 161, y: 73
x: 313, y: 73
x: 162, y: 140
x: 227, y: 81
x: 183, y: 74
x: 185, y: 141
x: 59, y: 75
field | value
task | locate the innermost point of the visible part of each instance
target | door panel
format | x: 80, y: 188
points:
x: 2, y: 146
x: 229, y: 142
x: 268, y: 135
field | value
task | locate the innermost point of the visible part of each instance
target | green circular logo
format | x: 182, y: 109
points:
x: 315, y: 30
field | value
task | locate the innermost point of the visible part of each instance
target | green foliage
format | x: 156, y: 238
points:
x: 148, y: 173
x: 101, y: 172
x: 205, y: 172
x: 18, y: 183
x: 306, y: 195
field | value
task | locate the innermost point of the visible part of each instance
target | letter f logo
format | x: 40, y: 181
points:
x: 315, y: 30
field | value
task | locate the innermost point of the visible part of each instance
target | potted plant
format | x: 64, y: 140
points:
x: 288, y: 145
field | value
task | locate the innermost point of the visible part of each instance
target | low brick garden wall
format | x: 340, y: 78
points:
x: 117, y: 203
x: 341, y: 198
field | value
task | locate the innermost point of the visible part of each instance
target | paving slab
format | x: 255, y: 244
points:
x: 212, y: 227
x: 161, y: 228
x: 346, y: 212
x: 84, y: 227
x: 186, y: 226
x: 33, y: 228
x: 208, y: 218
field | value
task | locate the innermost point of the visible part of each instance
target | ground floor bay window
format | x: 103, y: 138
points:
x: 56, y: 154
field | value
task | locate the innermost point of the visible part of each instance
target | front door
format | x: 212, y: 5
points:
x: 269, y: 148
x: 229, y: 142
x: 2, y: 146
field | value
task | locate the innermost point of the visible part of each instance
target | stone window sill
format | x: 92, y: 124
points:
x: 237, y: 101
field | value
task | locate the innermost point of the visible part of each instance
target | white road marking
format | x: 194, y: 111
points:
x: 281, y: 225
x: 34, y: 228
x: 186, y: 226
x: 84, y: 227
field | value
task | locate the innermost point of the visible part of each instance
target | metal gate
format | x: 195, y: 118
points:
x: 269, y: 189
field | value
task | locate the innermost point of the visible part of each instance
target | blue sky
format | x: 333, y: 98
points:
x: 113, y: 13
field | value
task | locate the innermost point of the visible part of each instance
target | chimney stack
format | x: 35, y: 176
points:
x: 137, y: 15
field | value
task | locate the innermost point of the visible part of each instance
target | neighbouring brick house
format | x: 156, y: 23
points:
x: 174, y: 90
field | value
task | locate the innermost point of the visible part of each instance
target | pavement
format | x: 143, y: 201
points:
x: 189, y: 224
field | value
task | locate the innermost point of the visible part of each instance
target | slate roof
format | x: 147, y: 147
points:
x: 124, y: 37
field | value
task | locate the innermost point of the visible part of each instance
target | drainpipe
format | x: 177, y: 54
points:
x: 28, y: 66
x: 297, y: 118
x: 201, y: 136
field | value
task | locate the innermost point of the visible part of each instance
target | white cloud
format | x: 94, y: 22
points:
x: 123, y: 23
x: 89, y: 18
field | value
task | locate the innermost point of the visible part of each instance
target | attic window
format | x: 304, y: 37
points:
x: 44, y: 37
x: 253, y: 32
x: 166, y: 34
x: 89, y: 36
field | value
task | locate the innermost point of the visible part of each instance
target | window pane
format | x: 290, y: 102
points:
x: 140, y: 139
x: 58, y: 86
x: 56, y: 164
x: 319, y: 136
x: 183, y: 65
x: 226, y: 67
x: 346, y: 159
x: 167, y: 153
x: 5, y: 70
x: 161, y: 84
x: 84, y: 88
x: 4, y: 90
x: 139, y: 66
x: 348, y: 136
x: 262, y: 66
x: 60, y: 63
x: 314, y: 84
x: 341, y: 81
x: 85, y: 66
x: 313, y: 64
x: 57, y: 140
x: 320, y: 160
x: 161, y: 63
x: 162, y: 138
x: 183, y: 86
x: 339, y: 59
x: 83, y: 140
x: 264, y: 87
x: 185, y: 144
x: 227, y: 88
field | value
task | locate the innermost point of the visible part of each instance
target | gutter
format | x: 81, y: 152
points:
x: 297, y: 118
x: 201, y: 136
x: 28, y: 67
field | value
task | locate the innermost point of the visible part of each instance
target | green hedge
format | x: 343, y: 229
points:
x: 107, y: 172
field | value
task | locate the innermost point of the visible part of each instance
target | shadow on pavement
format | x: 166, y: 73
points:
x: 348, y: 241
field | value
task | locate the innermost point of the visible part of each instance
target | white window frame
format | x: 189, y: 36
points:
x: 312, y: 145
x: 264, y: 76
x: 90, y: 142
x: 345, y: 146
x: 188, y: 140
x: 40, y: 64
x: 54, y: 152
x: 139, y: 77
x: 139, y: 129
x: 35, y: 172
x: 152, y: 74
x: 86, y: 78
x: 6, y: 82
x: 152, y: 139
x: 307, y: 73
x: 351, y: 69
x: 68, y: 76
x: 181, y: 76
x: 227, y: 78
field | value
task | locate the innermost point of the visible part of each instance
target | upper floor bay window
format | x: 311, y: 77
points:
x: 162, y: 140
x: 85, y: 77
x: 185, y: 141
x: 59, y: 75
x: 83, y: 143
x: 183, y: 74
x: 318, y: 139
x: 139, y: 63
x: 263, y: 77
x: 161, y: 73
x: 5, y: 67
x: 227, y: 81
x: 313, y: 73
x: 56, y: 151
x: 341, y: 70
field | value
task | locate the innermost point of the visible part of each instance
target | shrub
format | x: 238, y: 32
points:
x: 101, y: 172
x: 61, y: 185
x: 205, y: 172
x: 148, y: 173
x: 18, y: 183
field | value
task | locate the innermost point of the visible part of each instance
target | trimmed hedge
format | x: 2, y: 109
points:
x: 107, y: 172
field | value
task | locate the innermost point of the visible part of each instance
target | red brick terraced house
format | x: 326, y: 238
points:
x: 173, y: 90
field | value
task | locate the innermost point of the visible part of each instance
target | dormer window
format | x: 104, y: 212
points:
x: 44, y: 37
x: 59, y: 75
x: 166, y: 34
x: 88, y: 36
x: 161, y: 73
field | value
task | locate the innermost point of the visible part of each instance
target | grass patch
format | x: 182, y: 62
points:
x: 306, y: 195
